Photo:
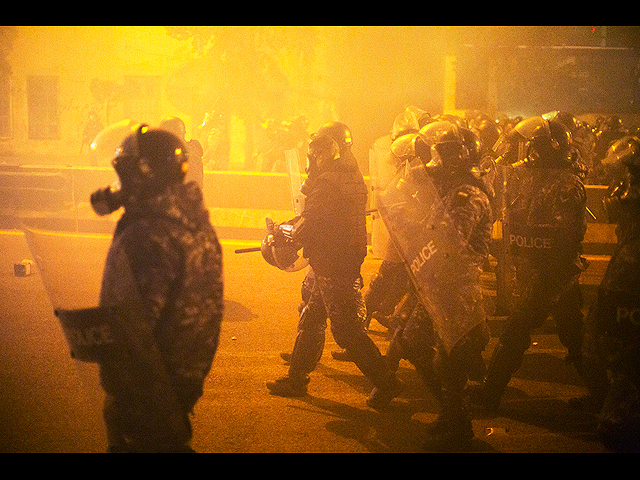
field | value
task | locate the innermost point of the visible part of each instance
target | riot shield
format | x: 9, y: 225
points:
x: 439, y: 265
x: 70, y: 265
x: 618, y: 315
x: 103, y: 147
x: 507, y: 190
x: 121, y: 340
x: 382, y: 170
x: 295, y: 179
x: 90, y: 334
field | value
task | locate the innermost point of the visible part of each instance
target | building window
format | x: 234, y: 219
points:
x: 42, y: 104
x: 5, y: 106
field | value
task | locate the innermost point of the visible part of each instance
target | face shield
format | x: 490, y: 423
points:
x: 444, y: 154
x: 443, y: 145
x: 511, y: 148
x: 407, y: 122
x: 404, y: 147
x: 625, y: 150
x: 623, y: 160
x: 127, y: 163
x: 104, y: 145
x: 323, y: 150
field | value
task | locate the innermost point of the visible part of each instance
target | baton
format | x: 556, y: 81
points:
x: 247, y: 250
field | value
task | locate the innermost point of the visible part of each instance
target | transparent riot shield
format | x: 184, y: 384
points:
x: 618, y: 314
x: 439, y: 265
x: 295, y: 179
x: 70, y: 266
x: 506, y: 192
x: 382, y: 169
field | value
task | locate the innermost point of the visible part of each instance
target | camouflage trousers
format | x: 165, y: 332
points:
x: 338, y: 299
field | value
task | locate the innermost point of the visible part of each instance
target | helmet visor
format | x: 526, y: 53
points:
x: 622, y: 150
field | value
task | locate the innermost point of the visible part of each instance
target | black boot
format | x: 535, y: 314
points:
x: 504, y: 363
x: 381, y: 396
x: 453, y: 430
x: 289, y: 387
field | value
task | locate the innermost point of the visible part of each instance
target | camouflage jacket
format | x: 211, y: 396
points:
x: 467, y: 203
x: 173, y: 254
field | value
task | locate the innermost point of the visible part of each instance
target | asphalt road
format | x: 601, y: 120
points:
x: 51, y: 403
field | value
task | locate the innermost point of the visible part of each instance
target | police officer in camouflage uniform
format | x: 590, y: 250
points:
x: 165, y: 262
x: 546, y: 225
x: 452, y: 168
x: 332, y: 232
x: 390, y: 283
x: 612, y: 332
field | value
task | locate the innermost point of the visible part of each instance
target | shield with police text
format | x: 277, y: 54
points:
x: 91, y: 334
x: 619, y: 315
x: 440, y: 267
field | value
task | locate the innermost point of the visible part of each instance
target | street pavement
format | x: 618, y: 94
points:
x: 52, y: 403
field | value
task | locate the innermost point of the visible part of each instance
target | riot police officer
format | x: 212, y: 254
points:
x: 390, y: 284
x: 164, y: 264
x: 612, y: 336
x: 332, y: 233
x: 447, y: 331
x: 546, y: 225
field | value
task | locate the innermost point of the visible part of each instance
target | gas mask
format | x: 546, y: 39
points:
x: 107, y: 200
x: 146, y: 162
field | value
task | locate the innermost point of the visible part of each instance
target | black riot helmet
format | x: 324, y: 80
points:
x: 549, y: 146
x: 625, y: 151
x: 445, y: 146
x: 472, y: 147
x: 407, y: 147
x: 339, y: 132
x: 510, y: 148
x: 488, y: 132
x: 323, y: 151
x: 624, y: 192
x: 455, y: 119
x: 147, y: 161
x: 411, y: 120
x: 568, y: 120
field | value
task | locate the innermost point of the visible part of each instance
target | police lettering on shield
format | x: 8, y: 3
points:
x: 530, y: 242
x: 425, y: 254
